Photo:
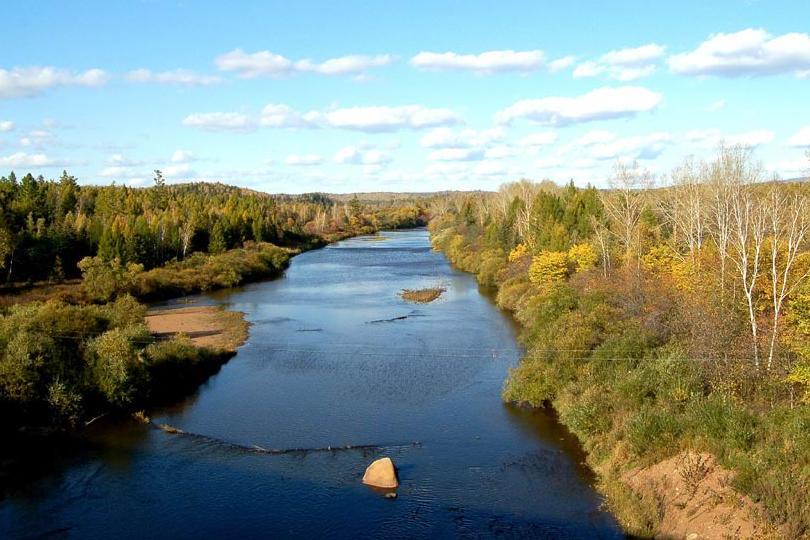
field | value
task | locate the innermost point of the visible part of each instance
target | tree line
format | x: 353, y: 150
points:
x: 48, y: 226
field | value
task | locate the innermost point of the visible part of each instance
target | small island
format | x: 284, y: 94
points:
x: 421, y: 296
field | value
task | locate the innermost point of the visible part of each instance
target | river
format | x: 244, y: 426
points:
x: 334, y: 358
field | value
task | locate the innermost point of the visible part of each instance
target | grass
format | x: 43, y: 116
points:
x: 421, y: 296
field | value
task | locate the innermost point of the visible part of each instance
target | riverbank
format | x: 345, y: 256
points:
x: 600, y: 351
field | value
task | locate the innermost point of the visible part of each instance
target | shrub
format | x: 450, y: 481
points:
x: 548, y: 268
x: 583, y: 257
x: 518, y: 253
x: 588, y: 414
x: 103, y: 280
x: 21, y: 366
x: 117, y: 368
x: 801, y: 375
x: 65, y: 402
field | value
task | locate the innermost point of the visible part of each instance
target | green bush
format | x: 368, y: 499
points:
x: 588, y: 414
x: 116, y: 365
x: 59, y: 362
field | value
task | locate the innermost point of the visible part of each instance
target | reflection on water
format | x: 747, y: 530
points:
x: 334, y: 358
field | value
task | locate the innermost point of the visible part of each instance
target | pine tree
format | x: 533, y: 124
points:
x: 217, y: 242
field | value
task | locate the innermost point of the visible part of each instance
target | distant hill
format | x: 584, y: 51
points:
x: 377, y: 196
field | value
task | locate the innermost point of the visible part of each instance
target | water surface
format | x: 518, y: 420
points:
x: 334, y: 358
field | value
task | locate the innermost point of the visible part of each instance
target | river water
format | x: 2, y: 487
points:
x: 334, y: 358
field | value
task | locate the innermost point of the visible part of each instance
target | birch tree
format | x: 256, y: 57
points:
x: 720, y: 199
x: 748, y: 235
x: 788, y: 227
x: 685, y: 208
x: 624, y: 203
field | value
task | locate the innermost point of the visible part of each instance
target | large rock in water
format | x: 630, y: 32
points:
x: 381, y: 473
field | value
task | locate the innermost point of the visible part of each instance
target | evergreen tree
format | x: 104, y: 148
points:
x: 217, y: 242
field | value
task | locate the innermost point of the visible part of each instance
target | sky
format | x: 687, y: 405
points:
x: 398, y: 96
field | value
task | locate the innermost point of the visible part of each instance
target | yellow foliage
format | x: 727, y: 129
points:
x: 663, y: 261
x: 583, y: 257
x: 548, y: 267
x: 518, y: 253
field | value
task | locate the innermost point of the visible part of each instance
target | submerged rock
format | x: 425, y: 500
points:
x: 381, y: 473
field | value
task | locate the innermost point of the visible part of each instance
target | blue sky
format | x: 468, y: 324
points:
x: 416, y: 96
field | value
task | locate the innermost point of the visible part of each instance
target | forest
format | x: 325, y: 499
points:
x: 658, y: 320
x: 47, y: 227
x: 76, y: 261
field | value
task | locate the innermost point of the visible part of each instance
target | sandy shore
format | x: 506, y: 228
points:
x: 206, y: 326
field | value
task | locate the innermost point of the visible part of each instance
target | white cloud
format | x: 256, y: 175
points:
x: 445, y: 168
x: 543, y: 138
x: 368, y: 119
x: 485, y: 63
x: 749, y: 52
x: 456, y: 154
x: 303, y: 159
x: 219, y: 121
x: 182, y: 156
x: 6, y: 125
x: 600, y: 104
x: 560, y: 64
x: 358, y: 156
x: 345, y: 65
x: 349, y: 154
x: 30, y: 81
x: 22, y: 159
x: 381, y: 119
x: 375, y: 157
x: 138, y: 181
x: 448, y: 138
x: 712, y: 138
x: 624, y: 74
x: 634, y: 147
x: 501, y: 151
x: 182, y: 77
x: 548, y: 163
x: 801, y: 138
x: 37, y: 138
x: 120, y: 166
x: 282, y: 116
x: 595, y: 136
x: 120, y: 160
x: 792, y: 168
x: 634, y: 56
x: 180, y: 170
x: 115, y: 171
x: 623, y: 64
x: 489, y: 168
x: 263, y: 63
